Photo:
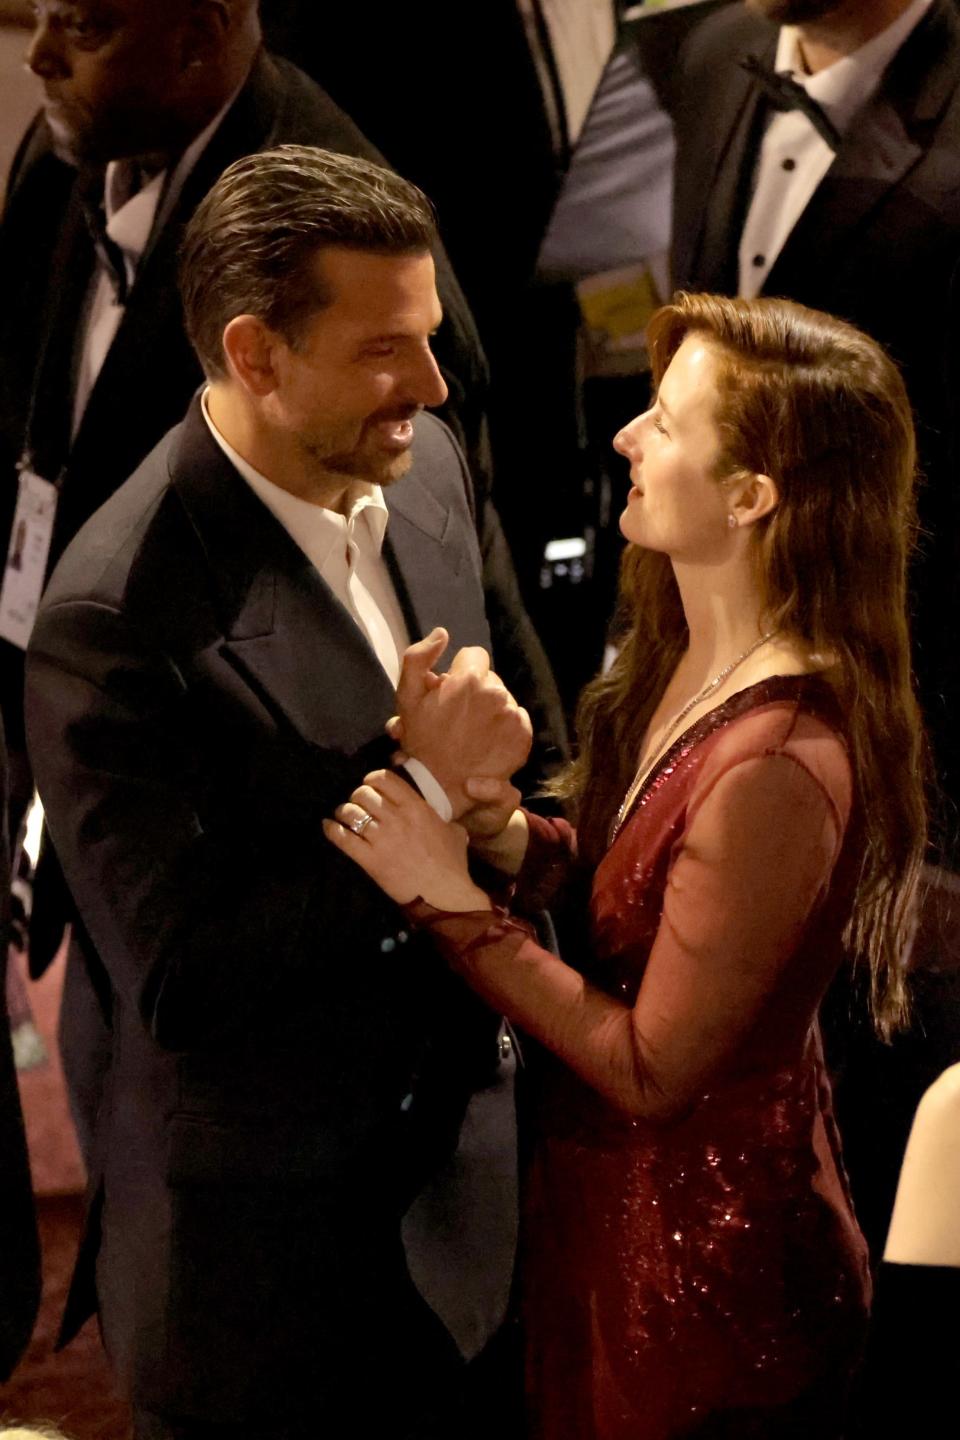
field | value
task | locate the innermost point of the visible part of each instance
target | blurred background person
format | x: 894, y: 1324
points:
x: 19, y: 1251
x: 908, y: 1386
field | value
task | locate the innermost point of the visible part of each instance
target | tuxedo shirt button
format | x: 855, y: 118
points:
x: 387, y: 945
x: 759, y: 260
x: 789, y: 164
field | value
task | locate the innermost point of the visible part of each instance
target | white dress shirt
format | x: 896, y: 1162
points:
x: 347, y: 552
x: 794, y: 157
x: 130, y: 221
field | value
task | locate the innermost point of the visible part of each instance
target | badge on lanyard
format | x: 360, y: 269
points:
x: 26, y: 567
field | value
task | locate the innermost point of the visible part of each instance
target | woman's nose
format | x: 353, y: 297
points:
x: 627, y: 441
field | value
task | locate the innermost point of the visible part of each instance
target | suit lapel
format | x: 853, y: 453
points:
x: 425, y: 561
x: 283, y: 628
x: 886, y: 142
x: 725, y: 174
x: 51, y: 405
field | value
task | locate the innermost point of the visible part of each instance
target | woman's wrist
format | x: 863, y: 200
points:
x: 505, y: 850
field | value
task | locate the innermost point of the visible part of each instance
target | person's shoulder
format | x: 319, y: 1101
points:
x: 723, y: 36
x: 939, y: 1108
x: 793, y: 720
x: 37, y: 175
x: 925, y: 1228
x: 306, y: 114
x: 97, y: 563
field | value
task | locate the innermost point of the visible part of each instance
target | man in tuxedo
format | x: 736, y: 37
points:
x: 144, y: 107
x: 210, y: 674
x: 818, y: 158
x: 851, y: 205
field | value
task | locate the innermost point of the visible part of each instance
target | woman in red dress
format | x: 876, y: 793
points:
x: 750, y: 812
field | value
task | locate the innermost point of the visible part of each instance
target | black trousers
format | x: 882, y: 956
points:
x: 487, y: 1401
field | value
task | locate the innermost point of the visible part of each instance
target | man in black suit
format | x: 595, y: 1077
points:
x: 864, y: 224
x: 145, y: 105
x: 209, y: 675
x: 19, y: 1252
x: 846, y: 197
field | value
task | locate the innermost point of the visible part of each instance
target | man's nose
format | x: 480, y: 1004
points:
x: 427, y: 383
x: 45, y: 53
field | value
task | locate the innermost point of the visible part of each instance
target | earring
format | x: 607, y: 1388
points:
x: 731, y: 521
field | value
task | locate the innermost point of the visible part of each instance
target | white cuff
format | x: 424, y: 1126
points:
x: 430, y: 788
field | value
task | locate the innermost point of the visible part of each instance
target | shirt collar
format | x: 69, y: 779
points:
x: 846, y: 85
x: 315, y: 529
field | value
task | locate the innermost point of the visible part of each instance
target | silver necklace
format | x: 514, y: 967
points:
x: 643, y: 769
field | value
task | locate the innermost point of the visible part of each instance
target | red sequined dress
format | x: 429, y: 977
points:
x: 692, y: 1265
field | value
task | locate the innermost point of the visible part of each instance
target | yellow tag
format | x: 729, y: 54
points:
x: 619, y: 303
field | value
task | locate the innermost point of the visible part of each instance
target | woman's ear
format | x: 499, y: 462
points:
x: 752, y: 497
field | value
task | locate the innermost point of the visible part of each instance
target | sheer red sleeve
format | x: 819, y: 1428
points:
x: 761, y: 841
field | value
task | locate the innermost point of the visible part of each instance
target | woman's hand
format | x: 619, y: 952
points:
x: 405, y: 847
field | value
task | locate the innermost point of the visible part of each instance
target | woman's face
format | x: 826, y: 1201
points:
x: 675, y: 504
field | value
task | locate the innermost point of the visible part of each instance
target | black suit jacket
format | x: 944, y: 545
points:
x: 19, y: 1252
x: 877, y: 244
x: 289, y: 1063
x: 151, y: 371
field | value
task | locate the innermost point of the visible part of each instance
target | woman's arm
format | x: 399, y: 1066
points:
x: 752, y: 866
x: 750, y: 869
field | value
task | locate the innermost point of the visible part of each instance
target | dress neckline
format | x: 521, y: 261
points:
x: 809, y: 688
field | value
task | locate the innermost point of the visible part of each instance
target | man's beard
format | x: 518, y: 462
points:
x: 793, y: 12
x: 365, y: 463
x: 361, y: 457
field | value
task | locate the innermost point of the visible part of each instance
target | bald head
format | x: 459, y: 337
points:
x: 138, y: 77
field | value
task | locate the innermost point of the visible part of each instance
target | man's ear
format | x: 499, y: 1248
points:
x: 206, y: 26
x: 752, y: 497
x: 249, y: 348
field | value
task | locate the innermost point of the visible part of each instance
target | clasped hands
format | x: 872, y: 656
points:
x: 469, y: 732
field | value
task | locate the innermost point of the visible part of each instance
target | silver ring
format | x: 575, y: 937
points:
x: 360, y: 825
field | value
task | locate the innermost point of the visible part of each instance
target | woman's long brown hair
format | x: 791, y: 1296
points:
x: 816, y: 405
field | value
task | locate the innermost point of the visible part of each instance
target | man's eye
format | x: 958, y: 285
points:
x: 86, y: 31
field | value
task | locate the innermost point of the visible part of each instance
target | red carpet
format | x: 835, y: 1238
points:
x: 73, y: 1390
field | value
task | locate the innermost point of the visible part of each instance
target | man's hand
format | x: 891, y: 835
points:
x: 462, y: 724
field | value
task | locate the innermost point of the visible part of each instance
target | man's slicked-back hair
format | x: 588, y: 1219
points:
x: 249, y: 247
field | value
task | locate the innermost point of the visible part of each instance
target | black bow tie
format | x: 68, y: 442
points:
x: 130, y: 180
x: 786, y: 94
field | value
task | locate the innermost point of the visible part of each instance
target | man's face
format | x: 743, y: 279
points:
x: 348, y: 389
x: 793, y: 12
x: 111, y: 71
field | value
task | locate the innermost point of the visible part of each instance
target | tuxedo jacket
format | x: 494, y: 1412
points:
x: 289, y: 1063
x: 877, y: 244
x: 150, y: 373
x: 19, y: 1251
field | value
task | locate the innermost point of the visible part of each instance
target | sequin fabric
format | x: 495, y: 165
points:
x: 701, y: 1276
